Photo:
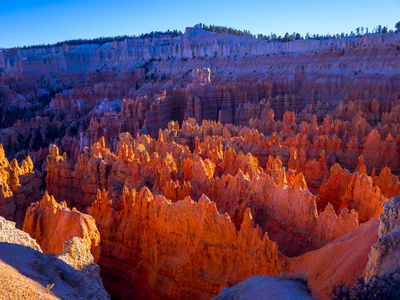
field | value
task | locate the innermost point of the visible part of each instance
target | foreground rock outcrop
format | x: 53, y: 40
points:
x: 12, y: 235
x: 25, y: 272
x: 385, y: 254
x: 341, y: 261
x: 263, y: 287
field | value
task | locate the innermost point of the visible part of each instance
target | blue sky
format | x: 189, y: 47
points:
x: 44, y: 21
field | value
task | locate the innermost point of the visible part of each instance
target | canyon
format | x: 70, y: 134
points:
x: 179, y: 166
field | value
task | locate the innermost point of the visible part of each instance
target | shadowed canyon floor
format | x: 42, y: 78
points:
x: 184, y: 165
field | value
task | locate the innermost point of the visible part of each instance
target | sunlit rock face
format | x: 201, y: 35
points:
x: 19, y: 188
x: 52, y: 224
x: 181, y: 249
x: 149, y: 187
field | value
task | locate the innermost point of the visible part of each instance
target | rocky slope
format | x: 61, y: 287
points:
x: 28, y: 273
x: 384, y: 256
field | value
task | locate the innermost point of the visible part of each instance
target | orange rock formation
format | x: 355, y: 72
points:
x: 19, y: 188
x: 52, y: 224
x: 181, y: 249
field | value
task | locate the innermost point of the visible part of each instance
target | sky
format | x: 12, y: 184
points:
x: 43, y: 21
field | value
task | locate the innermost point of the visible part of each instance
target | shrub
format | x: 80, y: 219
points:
x: 377, y: 288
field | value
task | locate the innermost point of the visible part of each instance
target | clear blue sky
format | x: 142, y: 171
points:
x: 44, y: 21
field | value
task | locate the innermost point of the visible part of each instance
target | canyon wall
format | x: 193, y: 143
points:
x: 186, y: 164
x: 59, y: 93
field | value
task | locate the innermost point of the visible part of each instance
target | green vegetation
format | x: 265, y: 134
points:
x: 296, y: 36
x: 223, y: 29
x: 103, y: 40
x: 288, y: 37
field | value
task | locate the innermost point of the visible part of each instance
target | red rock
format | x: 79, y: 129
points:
x: 388, y: 183
x: 362, y: 196
x: 19, y: 188
x: 332, y: 190
x: 314, y: 171
x: 52, y: 224
x: 341, y: 261
x: 169, y: 239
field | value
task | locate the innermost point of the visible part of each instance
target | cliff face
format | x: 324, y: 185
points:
x: 242, y: 70
x: 240, y: 56
x: 384, y: 256
x: 205, y: 76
